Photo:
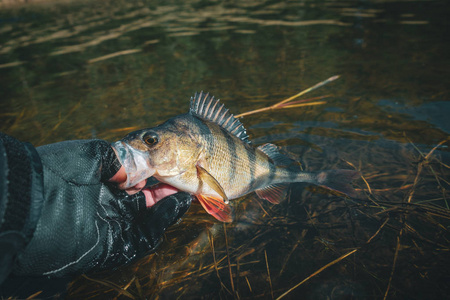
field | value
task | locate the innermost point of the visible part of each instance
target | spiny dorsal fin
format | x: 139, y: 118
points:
x: 208, y: 108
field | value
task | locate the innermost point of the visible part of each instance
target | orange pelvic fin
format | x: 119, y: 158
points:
x: 216, y: 207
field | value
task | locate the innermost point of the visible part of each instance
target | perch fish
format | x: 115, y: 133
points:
x: 207, y: 153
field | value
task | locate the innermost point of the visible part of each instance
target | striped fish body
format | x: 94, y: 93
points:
x: 233, y: 163
x: 206, y: 152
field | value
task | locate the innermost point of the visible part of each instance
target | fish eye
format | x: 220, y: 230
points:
x: 150, y: 139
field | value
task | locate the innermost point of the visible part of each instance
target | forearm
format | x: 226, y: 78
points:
x: 21, y: 198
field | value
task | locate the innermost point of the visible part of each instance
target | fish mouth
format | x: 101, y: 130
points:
x: 136, y: 164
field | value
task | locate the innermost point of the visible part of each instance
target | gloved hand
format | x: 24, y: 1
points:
x: 87, y: 223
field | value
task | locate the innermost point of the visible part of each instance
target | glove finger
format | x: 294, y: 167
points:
x: 131, y: 206
x: 163, y: 214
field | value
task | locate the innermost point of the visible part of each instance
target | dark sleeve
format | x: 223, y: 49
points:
x: 21, y: 198
x: 88, y: 224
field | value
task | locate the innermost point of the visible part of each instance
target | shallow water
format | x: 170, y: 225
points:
x: 93, y: 70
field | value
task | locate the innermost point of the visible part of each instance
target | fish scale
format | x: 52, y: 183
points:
x: 207, y: 153
x: 237, y: 172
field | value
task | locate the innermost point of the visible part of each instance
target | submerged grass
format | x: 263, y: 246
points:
x: 391, y: 242
x: 385, y: 244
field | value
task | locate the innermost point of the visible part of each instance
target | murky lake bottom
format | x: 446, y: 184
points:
x: 101, y: 69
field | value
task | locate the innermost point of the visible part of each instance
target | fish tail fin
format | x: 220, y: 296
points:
x: 338, y: 180
x: 216, y: 207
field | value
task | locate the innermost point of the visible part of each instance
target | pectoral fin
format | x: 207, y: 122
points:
x: 212, y: 182
x: 216, y: 207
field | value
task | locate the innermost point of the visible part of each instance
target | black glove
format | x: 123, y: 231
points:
x: 87, y: 223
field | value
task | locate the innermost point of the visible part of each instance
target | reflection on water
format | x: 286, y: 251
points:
x: 95, y: 69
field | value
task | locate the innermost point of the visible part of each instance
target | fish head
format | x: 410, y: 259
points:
x: 163, y: 151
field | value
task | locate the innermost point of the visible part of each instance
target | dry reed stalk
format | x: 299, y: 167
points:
x: 214, y: 258
x: 113, y: 286
x: 72, y: 110
x: 248, y: 284
x: 317, y: 272
x: 123, y: 129
x: 34, y: 295
x: 19, y: 118
x: 288, y: 257
x: 61, y: 120
x: 262, y: 207
x: 300, y: 103
x: 378, y: 231
x: 137, y: 283
x: 393, y: 265
x: 279, y: 105
x: 365, y: 181
x: 420, y: 167
x: 228, y: 258
x: 424, y: 162
x: 403, y: 187
x: 268, y: 273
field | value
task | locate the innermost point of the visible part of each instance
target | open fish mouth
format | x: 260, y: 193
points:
x: 135, y: 162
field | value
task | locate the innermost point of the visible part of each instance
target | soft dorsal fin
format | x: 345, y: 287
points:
x: 208, y: 108
x: 277, y: 192
x: 278, y: 159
